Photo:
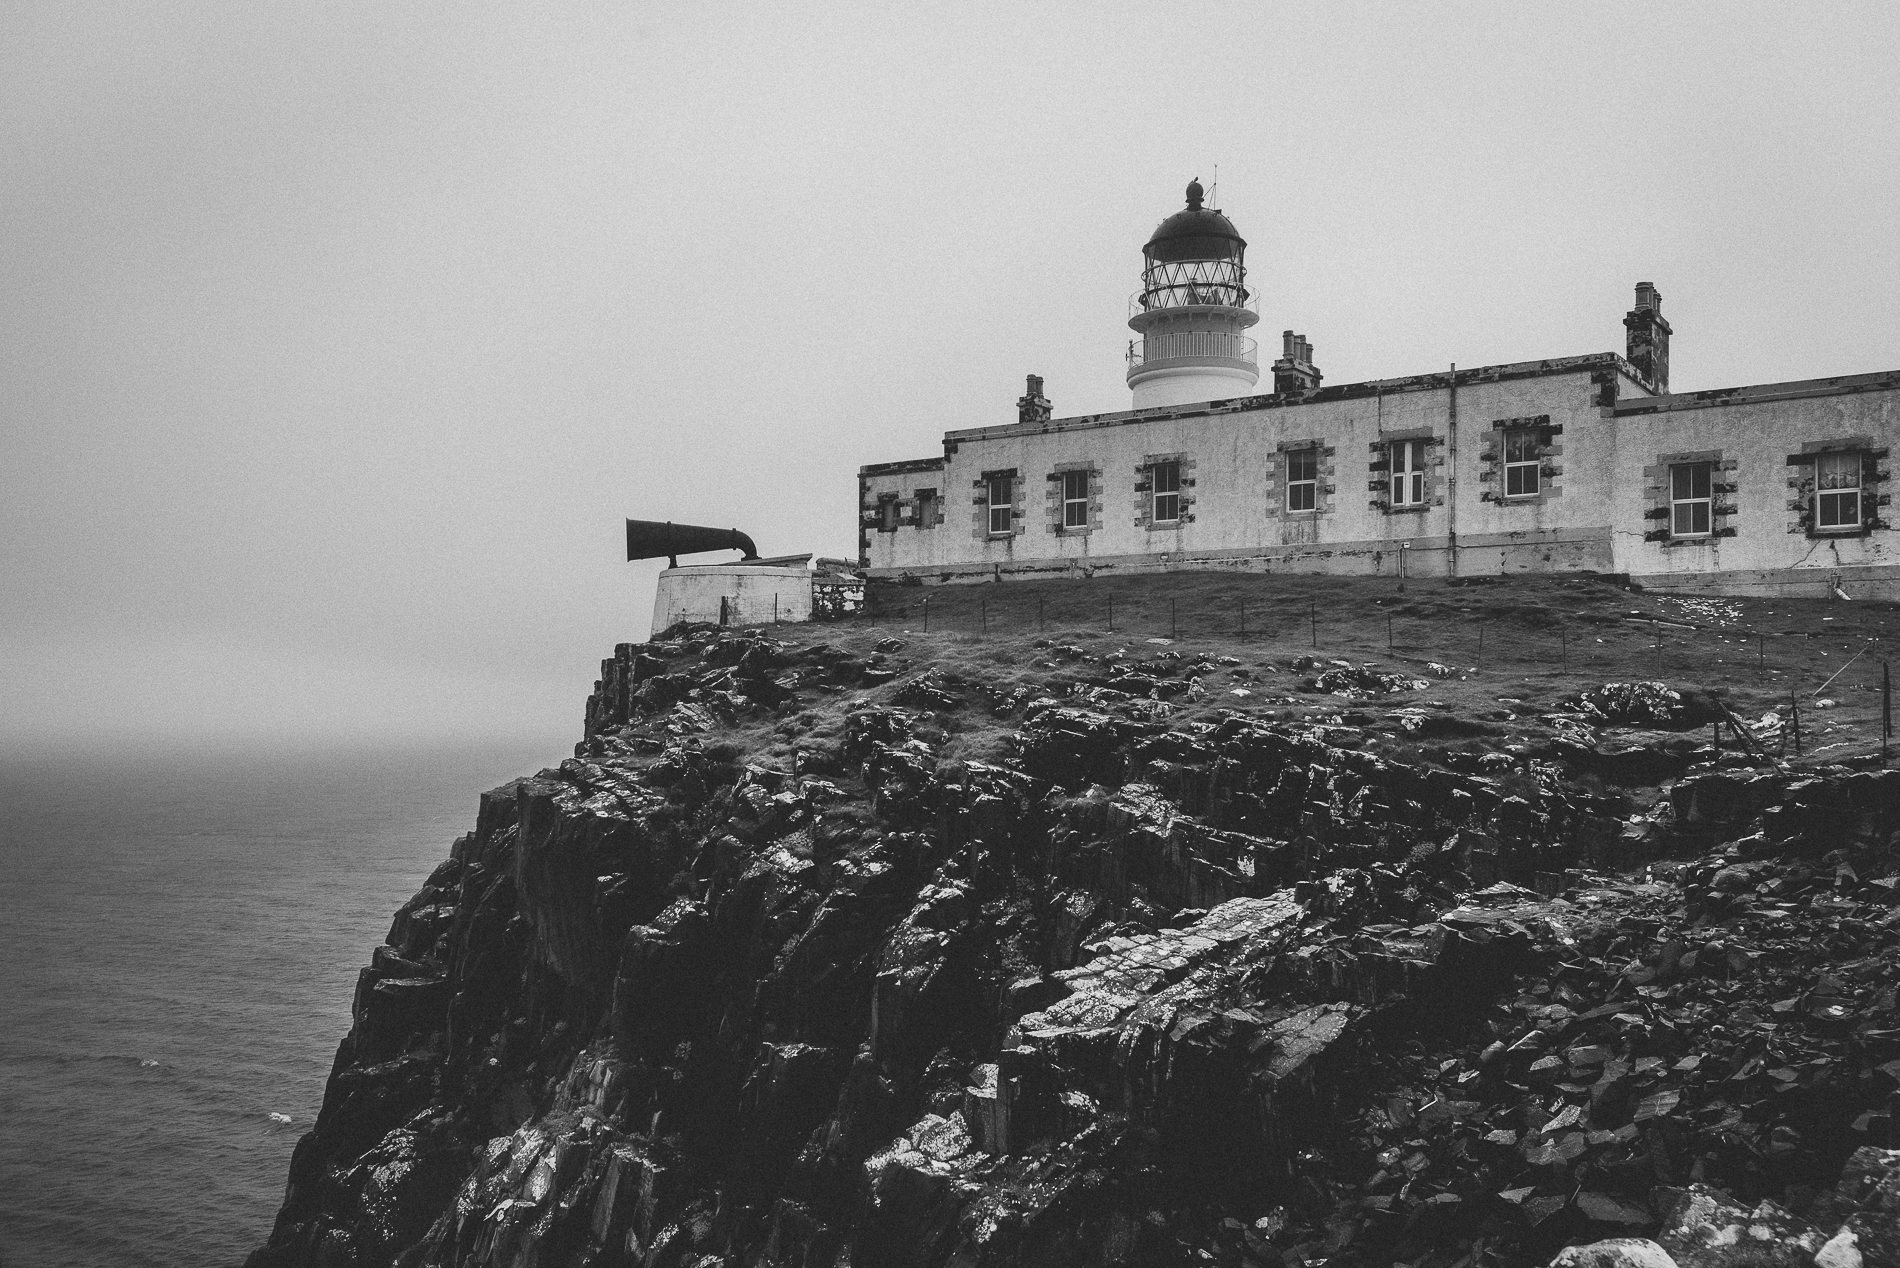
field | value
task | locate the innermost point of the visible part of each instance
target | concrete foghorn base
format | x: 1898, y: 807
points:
x: 732, y: 594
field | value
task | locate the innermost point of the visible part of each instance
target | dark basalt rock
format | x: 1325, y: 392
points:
x: 1145, y: 991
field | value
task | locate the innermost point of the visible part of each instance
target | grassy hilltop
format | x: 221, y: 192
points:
x: 1522, y: 646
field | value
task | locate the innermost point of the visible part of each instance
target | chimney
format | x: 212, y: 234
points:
x: 1295, y: 371
x: 1648, y: 338
x: 1034, y: 406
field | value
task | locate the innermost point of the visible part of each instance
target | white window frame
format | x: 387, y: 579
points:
x: 1302, y: 488
x: 1686, y: 505
x: 1002, y: 498
x: 1837, y: 490
x: 1523, y: 471
x: 1408, y: 472
x: 1075, y: 505
x: 1164, y: 505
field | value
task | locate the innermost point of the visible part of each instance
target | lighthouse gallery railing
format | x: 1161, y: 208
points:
x: 1191, y: 343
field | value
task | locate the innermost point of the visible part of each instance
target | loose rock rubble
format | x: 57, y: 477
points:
x: 822, y: 959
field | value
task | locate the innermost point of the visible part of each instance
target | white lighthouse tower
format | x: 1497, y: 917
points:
x: 1191, y: 310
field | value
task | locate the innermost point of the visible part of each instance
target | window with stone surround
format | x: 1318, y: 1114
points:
x: 1408, y: 472
x: 1164, y: 492
x: 1521, y: 463
x: 1837, y: 491
x: 1075, y: 499
x: 1073, y: 503
x: 1691, y: 497
x: 1302, y: 479
x: 1165, y: 486
x: 929, y: 509
x: 1002, y: 488
x: 1690, y: 502
x: 998, y: 504
x: 887, y: 512
x: 1837, y: 487
x: 1518, y: 460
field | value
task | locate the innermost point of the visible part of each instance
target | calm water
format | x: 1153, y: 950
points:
x: 178, y: 944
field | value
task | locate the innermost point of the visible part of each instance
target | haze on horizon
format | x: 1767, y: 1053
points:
x: 335, y: 341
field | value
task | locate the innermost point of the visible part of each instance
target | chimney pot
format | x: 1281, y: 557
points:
x: 1647, y: 345
x: 1034, y: 406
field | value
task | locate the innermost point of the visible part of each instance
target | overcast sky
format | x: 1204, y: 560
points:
x: 337, y: 339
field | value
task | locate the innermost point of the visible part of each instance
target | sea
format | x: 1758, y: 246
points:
x: 179, y: 938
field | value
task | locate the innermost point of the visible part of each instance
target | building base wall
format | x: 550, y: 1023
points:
x: 732, y: 594
x: 1877, y: 582
x: 1489, y: 554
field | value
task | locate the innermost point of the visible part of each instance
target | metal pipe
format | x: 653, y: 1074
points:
x: 1451, y: 471
x: 663, y: 539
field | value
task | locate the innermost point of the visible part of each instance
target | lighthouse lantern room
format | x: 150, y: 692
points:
x: 1191, y: 311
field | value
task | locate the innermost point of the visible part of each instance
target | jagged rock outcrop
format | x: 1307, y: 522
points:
x: 817, y: 958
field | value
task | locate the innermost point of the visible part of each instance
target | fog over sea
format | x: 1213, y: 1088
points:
x: 179, y: 938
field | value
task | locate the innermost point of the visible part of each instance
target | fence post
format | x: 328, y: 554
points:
x: 1171, y: 625
x: 1657, y: 631
x: 1313, y: 616
x: 1794, y: 714
x: 926, y: 614
x: 1761, y: 659
x: 983, y: 614
x: 1038, y: 614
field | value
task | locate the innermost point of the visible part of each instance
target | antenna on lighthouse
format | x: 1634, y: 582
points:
x: 1213, y: 191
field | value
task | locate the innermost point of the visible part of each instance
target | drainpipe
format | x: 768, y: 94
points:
x: 1451, y: 475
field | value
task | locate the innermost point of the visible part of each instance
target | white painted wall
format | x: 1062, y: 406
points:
x: 1757, y: 436
x: 1236, y: 498
x: 1591, y: 515
x: 754, y: 594
x: 1189, y: 385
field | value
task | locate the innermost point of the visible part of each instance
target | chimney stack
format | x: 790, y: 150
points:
x: 1648, y: 337
x: 1034, y: 406
x: 1295, y: 371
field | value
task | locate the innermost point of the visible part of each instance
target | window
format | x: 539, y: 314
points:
x: 1002, y: 493
x: 1520, y: 464
x: 1075, y: 499
x: 1689, y: 499
x: 1302, y: 479
x: 1837, y: 490
x: 887, y: 513
x: 1166, y: 479
x: 1408, y: 473
x: 929, y: 511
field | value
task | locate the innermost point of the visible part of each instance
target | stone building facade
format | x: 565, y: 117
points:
x: 1582, y: 463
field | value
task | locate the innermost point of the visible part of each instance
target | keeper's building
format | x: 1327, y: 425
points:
x: 1578, y: 463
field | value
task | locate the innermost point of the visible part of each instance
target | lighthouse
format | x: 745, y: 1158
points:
x: 1191, y: 311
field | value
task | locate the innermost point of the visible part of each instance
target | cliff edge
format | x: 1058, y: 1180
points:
x: 828, y: 953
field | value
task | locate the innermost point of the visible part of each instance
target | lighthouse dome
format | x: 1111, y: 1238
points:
x: 1192, y: 311
x: 1196, y: 233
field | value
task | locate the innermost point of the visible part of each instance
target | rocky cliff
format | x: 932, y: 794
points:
x: 817, y: 954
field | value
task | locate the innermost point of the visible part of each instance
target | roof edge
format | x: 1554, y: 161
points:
x: 1795, y: 389
x: 1281, y: 400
